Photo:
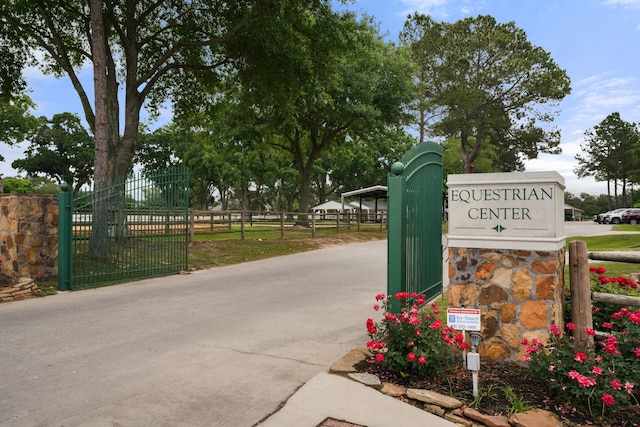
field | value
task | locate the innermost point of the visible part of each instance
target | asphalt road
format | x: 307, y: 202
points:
x: 219, y: 347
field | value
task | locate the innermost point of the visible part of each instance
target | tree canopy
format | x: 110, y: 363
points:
x: 142, y: 49
x: 16, y: 121
x: 62, y: 150
x: 611, y: 154
x: 485, y: 84
x: 336, y: 82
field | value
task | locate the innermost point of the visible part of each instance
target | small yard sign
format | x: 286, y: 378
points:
x: 467, y: 319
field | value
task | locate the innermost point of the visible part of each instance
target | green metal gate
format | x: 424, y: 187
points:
x: 415, y: 222
x: 125, y: 230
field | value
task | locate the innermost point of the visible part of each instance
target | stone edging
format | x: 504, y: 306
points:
x: 24, y: 288
x: 438, y: 404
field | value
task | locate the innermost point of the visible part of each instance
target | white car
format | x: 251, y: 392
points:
x: 614, y: 217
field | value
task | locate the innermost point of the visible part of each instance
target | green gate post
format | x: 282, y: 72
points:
x: 396, y: 253
x: 65, y: 202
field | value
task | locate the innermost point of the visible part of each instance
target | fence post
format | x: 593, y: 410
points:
x: 396, y: 254
x: 313, y: 223
x: 282, y: 225
x: 192, y: 224
x: 65, y: 218
x: 580, y: 285
x: 242, y: 224
x: 338, y: 222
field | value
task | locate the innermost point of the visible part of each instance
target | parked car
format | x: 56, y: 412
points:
x: 614, y: 217
x: 630, y: 216
x: 600, y: 217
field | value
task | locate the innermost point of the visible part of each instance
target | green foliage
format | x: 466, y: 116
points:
x: 483, y: 83
x: 518, y: 404
x: 415, y: 341
x: 12, y: 60
x: 18, y: 186
x: 599, y: 379
x: 314, y: 83
x: 16, y: 122
x: 611, y: 153
x: 61, y: 150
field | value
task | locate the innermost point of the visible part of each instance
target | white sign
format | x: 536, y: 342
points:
x: 467, y: 319
x: 503, y: 210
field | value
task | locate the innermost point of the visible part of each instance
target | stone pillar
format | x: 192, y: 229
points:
x: 28, y: 236
x: 506, y: 256
x: 519, y: 294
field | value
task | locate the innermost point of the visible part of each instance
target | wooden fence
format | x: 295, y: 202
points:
x: 312, y: 222
x: 580, y: 284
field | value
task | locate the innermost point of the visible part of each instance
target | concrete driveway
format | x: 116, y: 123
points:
x: 221, y: 347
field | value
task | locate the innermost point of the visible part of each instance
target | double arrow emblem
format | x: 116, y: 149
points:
x: 498, y: 228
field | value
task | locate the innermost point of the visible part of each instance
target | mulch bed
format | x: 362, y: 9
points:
x: 493, y: 378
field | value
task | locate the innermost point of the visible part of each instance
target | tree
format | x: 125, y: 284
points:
x: 16, y: 122
x: 610, y: 154
x: 335, y: 80
x: 485, y: 84
x: 140, y: 48
x: 62, y: 150
x: 12, y: 60
x: 18, y: 185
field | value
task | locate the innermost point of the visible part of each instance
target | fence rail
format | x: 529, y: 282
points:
x: 580, y: 282
x: 206, y: 222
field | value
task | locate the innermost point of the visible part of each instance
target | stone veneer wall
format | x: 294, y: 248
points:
x: 29, y: 236
x: 519, y: 294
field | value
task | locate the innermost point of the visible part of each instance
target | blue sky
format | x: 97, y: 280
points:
x: 596, y: 41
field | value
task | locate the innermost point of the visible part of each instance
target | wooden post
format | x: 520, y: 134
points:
x: 580, y: 285
x: 313, y: 223
x: 242, y: 224
x: 192, y: 224
x: 229, y: 214
x: 282, y: 225
x: 338, y: 222
x: 212, y: 221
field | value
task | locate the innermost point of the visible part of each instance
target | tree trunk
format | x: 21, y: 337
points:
x: 99, y: 243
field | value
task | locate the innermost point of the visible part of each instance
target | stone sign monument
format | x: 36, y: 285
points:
x: 506, y: 255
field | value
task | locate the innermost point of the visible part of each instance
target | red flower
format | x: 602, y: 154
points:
x: 371, y: 327
x: 580, y: 357
x: 616, y: 384
x: 590, y: 331
x: 571, y: 326
x: 608, y: 399
x: 380, y: 357
x: 422, y: 360
x: 411, y: 357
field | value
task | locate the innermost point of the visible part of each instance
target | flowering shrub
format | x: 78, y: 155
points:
x: 599, y: 379
x: 414, y: 341
x: 612, y: 285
